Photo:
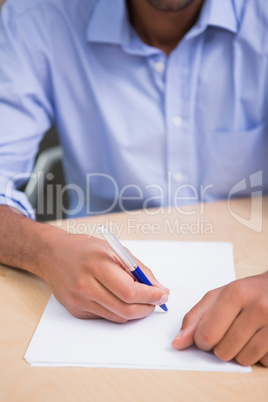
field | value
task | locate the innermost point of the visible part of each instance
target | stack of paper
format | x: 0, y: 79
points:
x: 189, y: 269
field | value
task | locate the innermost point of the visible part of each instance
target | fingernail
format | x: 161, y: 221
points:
x: 179, y: 335
x: 163, y: 299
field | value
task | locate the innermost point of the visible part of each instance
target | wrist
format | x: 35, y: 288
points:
x: 46, y: 250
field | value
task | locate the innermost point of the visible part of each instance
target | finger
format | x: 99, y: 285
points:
x: 218, y: 319
x: 123, y: 286
x: 264, y: 360
x: 96, y: 311
x: 150, y: 275
x: 93, y: 310
x: 185, y: 337
x: 255, y: 350
x: 102, y: 296
x: 239, y: 333
x: 146, y: 271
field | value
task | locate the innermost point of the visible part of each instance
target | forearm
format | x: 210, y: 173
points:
x: 24, y: 243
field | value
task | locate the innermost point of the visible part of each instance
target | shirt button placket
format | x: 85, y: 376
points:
x: 176, y: 106
x: 158, y: 67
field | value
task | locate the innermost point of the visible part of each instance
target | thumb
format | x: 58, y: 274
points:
x: 191, y: 320
x: 185, y: 337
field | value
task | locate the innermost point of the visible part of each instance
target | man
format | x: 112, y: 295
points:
x: 147, y: 95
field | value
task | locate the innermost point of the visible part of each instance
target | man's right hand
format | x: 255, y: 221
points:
x: 86, y: 278
x: 81, y: 271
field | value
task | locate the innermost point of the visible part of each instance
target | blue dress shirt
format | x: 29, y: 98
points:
x: 138, y: 128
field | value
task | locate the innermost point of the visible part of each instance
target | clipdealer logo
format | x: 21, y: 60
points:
x: 255, y: 220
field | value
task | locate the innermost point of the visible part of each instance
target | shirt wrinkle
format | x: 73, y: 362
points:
x: 131, y: 120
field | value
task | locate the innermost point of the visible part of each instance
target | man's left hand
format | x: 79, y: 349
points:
x: 232, y: 321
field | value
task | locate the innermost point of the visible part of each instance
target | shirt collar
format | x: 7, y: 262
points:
x: 223, y: 14
x: 109, y: 22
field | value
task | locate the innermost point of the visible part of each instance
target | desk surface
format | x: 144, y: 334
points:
x: 23, y: 298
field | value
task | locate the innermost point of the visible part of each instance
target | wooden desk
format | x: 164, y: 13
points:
x: 23, y: 298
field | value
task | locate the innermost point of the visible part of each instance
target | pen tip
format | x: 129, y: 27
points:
x: 164, y: 307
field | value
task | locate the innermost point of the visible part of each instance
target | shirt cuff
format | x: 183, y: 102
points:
x: 19, y: 202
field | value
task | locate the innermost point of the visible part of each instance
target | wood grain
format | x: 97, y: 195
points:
x: 23, y: 298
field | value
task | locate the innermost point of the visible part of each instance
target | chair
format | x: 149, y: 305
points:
x: 36, y: 193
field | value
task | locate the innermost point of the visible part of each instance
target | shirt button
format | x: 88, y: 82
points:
x: 159, y: 66
x: 178, y: 176
x: 177, y: 121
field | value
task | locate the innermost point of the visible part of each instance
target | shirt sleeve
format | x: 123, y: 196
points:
x: 25, y: 106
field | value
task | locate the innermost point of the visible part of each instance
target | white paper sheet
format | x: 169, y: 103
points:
x: 189, y: 269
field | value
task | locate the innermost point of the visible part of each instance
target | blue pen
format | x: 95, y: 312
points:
x: 126, y: 258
